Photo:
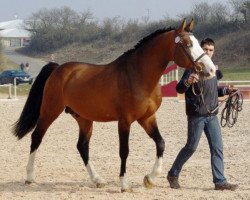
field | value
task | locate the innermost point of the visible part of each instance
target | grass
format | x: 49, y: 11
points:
x: 22, y: 89
x: 8, y: 64
x: 236, y: 74
x: 231, y: 74
x: 12, y: 65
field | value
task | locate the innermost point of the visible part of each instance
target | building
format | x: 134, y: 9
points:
x: 14, y: 34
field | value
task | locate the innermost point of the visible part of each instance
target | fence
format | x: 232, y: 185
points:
x: 10, y: 87
x: 169, y: 81
x: 243, y: 86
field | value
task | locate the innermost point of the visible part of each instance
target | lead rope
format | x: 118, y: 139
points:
x: 233, y: 105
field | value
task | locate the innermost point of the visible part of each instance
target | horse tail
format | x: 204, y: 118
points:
x: 31, y: 111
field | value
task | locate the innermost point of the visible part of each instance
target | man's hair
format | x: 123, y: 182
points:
x: 207, y: 41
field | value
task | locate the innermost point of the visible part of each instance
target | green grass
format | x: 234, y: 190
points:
x: 22, y: 89
x: 231, y: 74
x: 236, y: 74
x: 8, y: 64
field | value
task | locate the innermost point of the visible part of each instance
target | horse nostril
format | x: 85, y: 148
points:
x: 211, y: 72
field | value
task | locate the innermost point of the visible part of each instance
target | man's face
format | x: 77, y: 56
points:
x: 208, y: 49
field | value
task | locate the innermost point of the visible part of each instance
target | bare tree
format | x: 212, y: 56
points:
x: 57, y: 27
x: 146, y: 18
x: 129, y: 31
x: 86, y: 16
x: 219, y: 13
x: 201, y: 12
x: 111, y: 27
x: 241, y: 9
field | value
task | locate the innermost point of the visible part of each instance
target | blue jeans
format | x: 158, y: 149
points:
x: 196, y: 125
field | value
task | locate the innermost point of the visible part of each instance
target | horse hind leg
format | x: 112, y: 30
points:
x: 36, y: 139
x: 150, y: 126
x: 85, y: 133
x: 45, y: 120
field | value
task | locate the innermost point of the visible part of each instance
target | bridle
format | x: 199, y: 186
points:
x: 178, y: 40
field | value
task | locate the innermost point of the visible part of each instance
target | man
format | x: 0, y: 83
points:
x: 200, y: 117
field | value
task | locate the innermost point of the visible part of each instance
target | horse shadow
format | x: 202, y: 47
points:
x: 20, y: 186
x: 73, y: 186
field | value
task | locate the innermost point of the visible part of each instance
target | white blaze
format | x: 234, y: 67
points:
x: 196, y: 51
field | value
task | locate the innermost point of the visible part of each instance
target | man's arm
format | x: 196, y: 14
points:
x: 222, y: 91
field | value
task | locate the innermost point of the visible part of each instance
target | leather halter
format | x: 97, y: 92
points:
x: 179, y: 41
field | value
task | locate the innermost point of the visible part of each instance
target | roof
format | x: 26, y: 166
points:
x: 15, y: 33
x: 14, y: 29
x: 17, y: 23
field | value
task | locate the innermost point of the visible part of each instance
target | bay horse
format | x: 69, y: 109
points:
x: 125, y: 90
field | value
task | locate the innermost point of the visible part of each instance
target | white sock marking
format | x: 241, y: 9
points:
x: 30, y: 167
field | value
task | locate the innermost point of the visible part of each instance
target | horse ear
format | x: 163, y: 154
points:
x: 190, y: 26
x: 182, y: 27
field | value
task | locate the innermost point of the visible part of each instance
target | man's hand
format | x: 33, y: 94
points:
x: 193, y: 78
x: 231, y: 89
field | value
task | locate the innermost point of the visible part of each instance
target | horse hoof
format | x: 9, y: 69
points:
x: 127, y: 190
x: 147, y: 182
x: 100, y: 185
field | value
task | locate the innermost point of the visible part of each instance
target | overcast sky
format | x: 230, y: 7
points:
x: 126, y: 9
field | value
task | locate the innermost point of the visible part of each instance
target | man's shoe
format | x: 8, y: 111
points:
x: 226, y: 186
x: 173, y: 181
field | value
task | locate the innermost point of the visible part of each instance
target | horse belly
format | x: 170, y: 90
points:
x: 99, y: 113
x: 94, y: 110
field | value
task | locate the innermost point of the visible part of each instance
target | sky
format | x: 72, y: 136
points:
x: 126, y: 9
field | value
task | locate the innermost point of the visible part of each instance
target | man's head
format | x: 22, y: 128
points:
x: 208, y: 46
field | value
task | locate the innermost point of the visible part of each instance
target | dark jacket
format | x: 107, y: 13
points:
x: 194, y: 103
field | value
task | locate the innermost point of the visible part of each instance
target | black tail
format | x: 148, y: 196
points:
x: 31, y: 110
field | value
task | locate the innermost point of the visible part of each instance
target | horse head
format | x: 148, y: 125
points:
x: 188, y: 52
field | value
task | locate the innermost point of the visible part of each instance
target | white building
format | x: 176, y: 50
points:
x: 14, y: 34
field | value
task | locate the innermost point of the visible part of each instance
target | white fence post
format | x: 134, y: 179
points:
x: 10, y: 90
x: 15, y: 87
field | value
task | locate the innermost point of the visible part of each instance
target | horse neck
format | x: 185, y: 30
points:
x: 153, y: 58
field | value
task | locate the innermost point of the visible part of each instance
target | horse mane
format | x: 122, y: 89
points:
x: 147, y: 38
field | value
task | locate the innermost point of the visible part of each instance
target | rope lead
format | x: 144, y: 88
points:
x: 233, y: 105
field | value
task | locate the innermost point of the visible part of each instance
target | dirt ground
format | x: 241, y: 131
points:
x: 60, y: 173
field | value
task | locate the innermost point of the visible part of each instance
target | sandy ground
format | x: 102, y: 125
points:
x: 60, y: 173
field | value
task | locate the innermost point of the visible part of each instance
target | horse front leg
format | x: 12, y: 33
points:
x: 150, y: 126
x: 123, y: 129
x: 83, y: 148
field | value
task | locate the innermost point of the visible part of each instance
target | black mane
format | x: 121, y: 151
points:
x: 147, y: 38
